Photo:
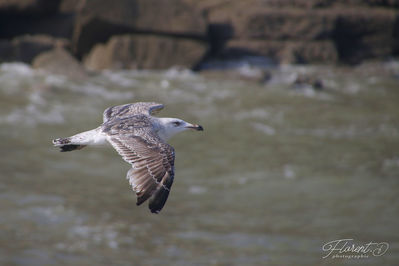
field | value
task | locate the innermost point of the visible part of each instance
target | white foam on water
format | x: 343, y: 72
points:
x: 254, y: 113
x: 96, y: 90
x: 259, y: 62
x: 285, y: 74
x: 247, y: 70
x: 288, y: 172
x: 220, y: 94
x: 353, y: 88
x: 178, y: 73
x: 18, y: 69
x: 179, y: 95
x: 55, y: 80
x: 47, y: 215
x: 14, y: 76
x: 391, y: 163
x: 351, y: 131
x: 197, y: 190
x: 32, y: 115
x: 199, y: 86
x: 266, y: 129
x: 33, y: 106
x: 34, y: 90
x: 119, y: 78
x: 36, y: 97
x: 165, y: 84
x: 90, y: 235
x: 91, y: 88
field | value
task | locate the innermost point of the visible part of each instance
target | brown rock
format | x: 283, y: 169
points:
x: 284, y: 24
x: 145, y: 52
x: 284, y: 51
x: 71, y: 6
x: 101, y: 19
x: 315, y: 52
x: 58, y: 61
x: 304, y: 31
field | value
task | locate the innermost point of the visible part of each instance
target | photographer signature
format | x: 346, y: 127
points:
x: 346, y: 248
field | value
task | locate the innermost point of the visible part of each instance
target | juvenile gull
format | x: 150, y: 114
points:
x: 140, y: 139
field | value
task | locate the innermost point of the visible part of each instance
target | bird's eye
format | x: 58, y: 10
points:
x: 176, y: 123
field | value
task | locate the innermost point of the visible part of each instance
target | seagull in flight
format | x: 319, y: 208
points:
x: 140, y: 139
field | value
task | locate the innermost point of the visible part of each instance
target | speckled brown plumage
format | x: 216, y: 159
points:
x: 131, y: 132
x: 140, y: 139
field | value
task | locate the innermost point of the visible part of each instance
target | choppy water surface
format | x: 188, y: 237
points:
x: 278, y: 172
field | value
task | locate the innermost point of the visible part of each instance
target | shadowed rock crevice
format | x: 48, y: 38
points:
x: 55, y: 25
x: 361, y: 35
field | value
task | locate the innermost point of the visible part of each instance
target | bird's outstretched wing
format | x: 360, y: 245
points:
x: 121, y: 111
x: 152, y: 172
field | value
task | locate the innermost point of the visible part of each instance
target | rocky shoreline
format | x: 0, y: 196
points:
x: 149, y: 34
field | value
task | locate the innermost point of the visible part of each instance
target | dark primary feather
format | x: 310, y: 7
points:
x: 71, y: 147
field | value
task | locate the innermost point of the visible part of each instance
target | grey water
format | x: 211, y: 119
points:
x: 279, y: 171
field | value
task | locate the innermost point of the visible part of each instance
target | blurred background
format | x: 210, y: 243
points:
x: 300, y: 104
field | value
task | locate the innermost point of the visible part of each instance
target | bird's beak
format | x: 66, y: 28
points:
x: 196, y: 127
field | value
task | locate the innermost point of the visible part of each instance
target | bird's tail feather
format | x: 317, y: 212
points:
x: 81, y: 140
x: 65, y: 145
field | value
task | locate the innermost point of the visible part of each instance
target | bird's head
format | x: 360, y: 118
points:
x: 172, y: 126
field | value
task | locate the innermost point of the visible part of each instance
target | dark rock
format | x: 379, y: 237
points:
x: 7, y: 53
x: 28, y: 7
x: 318, y: 84
x: 283, y: 24
x: 101, y: 19
x: 361, y: 34
x: 266, y: 77
x: 396, y: 36
x: 59, y: 61
x: 145, y: 52
x: 59, y: 25
x: 91, y: 31
x: 21, y: 17
x: 315, y: 52
x: 305, y: 81
x: 244, y: 6
x: 25, y: 48
x: 380, y: 3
